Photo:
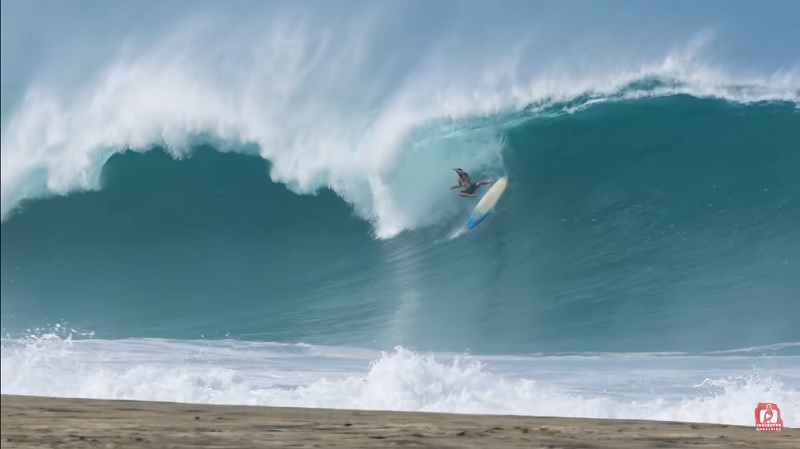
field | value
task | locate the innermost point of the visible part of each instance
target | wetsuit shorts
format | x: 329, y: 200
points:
x: 471, y: 189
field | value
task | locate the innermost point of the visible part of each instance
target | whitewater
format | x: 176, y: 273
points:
x: 251, y: 204
x: 715, y: 388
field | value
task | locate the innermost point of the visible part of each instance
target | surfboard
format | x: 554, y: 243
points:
x: 487, y: 203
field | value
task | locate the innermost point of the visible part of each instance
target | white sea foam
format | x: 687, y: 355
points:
x: 716, y: 389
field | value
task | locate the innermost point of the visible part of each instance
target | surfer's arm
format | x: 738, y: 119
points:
x: 466, y: 194
x: 455, y: 187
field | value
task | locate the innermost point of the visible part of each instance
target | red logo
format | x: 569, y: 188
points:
x: 768, y: 417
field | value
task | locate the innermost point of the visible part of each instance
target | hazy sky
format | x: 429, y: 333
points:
x: 70, y: 36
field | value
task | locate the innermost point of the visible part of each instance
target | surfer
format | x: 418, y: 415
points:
x: 466, y: 183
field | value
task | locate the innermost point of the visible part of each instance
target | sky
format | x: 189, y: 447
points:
x: 67, y: 37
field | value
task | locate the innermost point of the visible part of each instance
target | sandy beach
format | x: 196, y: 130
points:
x: 35, y: 422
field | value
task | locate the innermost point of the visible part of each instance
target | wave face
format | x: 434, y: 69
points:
x: 667, y: 224
x: 208, y: 192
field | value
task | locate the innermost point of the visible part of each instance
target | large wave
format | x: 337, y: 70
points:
x: 651, y: 166
x: 338, y: 104
x: 664, y: 224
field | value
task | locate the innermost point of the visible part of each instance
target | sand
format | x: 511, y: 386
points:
x: 35, y: 422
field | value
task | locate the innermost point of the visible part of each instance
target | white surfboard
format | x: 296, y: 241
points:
x: 487, y: 203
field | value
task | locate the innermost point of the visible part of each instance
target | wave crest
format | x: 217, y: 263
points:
x: 327, y: 110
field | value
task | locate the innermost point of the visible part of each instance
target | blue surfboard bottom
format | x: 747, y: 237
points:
x: 475, y: 221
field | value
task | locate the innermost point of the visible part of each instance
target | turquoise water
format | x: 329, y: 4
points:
x: 665, y: 224
x: 252, y: 204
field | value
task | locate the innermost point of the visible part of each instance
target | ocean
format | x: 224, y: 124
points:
x: 266, y: 217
